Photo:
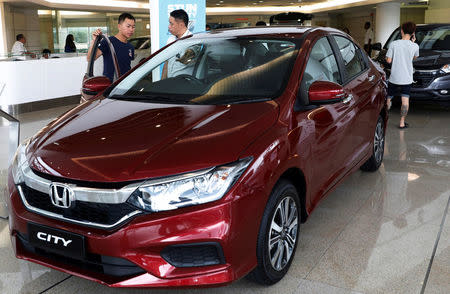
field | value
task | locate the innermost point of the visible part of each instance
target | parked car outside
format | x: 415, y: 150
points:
x: 432, y: 67
x: 142, y: 49
x: 203, y: 177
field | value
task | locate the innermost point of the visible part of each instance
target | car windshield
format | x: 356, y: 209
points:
x: 212, y: 71
x: 437, y: 38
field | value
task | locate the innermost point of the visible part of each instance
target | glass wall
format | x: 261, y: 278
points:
x: 55, y: 25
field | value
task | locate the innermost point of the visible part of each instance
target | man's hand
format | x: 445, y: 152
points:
x: 96, y: 33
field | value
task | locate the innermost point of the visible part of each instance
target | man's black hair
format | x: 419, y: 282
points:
x: 180, y: 14
x: 124, y: 16
x: 46, y: 51
x: 19, y: 36
x: 367, y: 24
x: 261, y: 23
x: 409, y: 27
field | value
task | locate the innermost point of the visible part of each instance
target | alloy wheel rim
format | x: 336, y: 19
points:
x: 283, y: 233
x: 378, y: 142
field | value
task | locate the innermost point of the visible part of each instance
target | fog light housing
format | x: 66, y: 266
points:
x: 194, y: 254
x: 443, y: 92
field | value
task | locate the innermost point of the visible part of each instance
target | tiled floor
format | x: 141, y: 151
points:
x: 376, y: 233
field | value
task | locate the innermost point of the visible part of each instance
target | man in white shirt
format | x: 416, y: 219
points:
x: 368, y: 38
x: 401, y: 54
x: 178, y: 27
x: 19, y: 48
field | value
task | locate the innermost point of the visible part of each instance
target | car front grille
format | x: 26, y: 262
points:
x: 422, y: 79
x: 80, y: 211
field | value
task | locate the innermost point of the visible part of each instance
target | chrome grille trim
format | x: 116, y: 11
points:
x: 109, y: 196
x: 60, y: 217
x: 427, y: 71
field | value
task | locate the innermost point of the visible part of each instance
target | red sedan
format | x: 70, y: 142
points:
x: 198, y: 166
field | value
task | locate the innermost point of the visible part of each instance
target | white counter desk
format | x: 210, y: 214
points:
x: 41, y: 79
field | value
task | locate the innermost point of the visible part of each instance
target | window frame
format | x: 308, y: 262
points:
x: 346, y: 78
x: 301, y: 101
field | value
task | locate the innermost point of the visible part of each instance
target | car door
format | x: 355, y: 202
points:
x: 359, y: 82
x: 332, y: 143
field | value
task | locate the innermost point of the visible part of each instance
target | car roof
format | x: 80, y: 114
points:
x: 261, y: 31
x: 432, y: 25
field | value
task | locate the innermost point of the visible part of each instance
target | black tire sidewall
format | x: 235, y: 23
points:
x: 379, y: 121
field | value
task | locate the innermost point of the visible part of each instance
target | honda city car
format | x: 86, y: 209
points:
x: 432, y: 67
x: 198, y: 166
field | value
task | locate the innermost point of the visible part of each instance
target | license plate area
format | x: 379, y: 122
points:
x: 56, y: 241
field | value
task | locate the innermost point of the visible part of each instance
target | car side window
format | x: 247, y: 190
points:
x: 321, y: 66
x: 352, y: 57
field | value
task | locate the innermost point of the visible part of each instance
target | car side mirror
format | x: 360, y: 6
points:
x: 376, y: 46
x: 325, y: 92
x: 92, y: 86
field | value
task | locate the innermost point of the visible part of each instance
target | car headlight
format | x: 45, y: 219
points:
x: 187, y: 189
x: 19, y: 162
x: 446, y: 68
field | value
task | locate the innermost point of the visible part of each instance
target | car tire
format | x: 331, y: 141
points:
x: 279, y: 230
x: 374, y: 162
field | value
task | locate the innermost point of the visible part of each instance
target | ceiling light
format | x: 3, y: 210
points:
x: 44, y: 12
x: 272, y: 9
x: 111, y: 3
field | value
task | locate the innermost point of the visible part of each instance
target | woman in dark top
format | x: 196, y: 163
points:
x: 70, y: 44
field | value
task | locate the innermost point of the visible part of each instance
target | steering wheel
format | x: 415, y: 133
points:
x: 190, y: 78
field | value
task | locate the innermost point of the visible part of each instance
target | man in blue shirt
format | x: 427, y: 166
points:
x: 124, y: 50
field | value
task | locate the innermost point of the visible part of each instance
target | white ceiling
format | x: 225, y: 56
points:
x: 142, y: 5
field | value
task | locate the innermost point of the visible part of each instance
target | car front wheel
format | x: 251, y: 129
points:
x: 278, y: 234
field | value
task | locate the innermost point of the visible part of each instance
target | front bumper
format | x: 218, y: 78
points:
x: 433, y: 90
x: 132, y: 255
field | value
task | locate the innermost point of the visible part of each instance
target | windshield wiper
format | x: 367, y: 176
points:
x: 242, y: 100
x: 152, y: 98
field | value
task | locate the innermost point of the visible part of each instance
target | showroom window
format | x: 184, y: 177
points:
x: 55, y: 25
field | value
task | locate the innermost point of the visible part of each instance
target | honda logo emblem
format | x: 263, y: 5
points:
x: 61, y: 195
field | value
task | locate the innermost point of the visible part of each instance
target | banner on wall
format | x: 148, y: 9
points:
x: 159, y: 18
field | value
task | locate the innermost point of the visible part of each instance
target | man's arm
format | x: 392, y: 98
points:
x: 99, y: 52
x: 390, y: 53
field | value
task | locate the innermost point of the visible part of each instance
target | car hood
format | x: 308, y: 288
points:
x: 431, y: 59
x: 114, y: 141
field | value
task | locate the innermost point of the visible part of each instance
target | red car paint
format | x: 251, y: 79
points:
x: 111, y: 141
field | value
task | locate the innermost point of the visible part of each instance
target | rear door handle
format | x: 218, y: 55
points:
x: 347, y: 99
x: 371, y: 78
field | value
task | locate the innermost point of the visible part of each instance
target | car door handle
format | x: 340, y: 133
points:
x: 347, y: 99
x: 371, y: 78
